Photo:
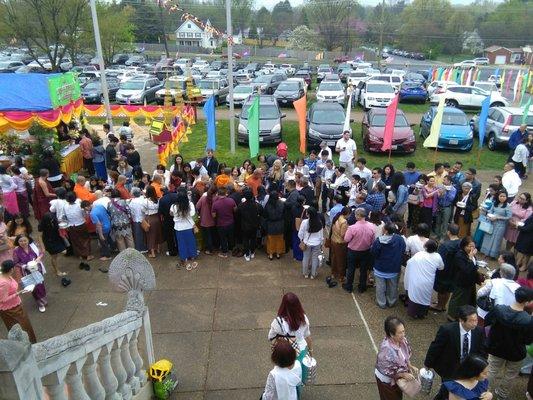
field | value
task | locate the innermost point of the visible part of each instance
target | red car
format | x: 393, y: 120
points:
x: 403, y: 138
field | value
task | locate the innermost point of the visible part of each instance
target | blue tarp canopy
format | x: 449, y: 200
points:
x: 25, y: 92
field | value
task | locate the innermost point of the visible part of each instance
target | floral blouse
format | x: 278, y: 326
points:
x: 392, y: 358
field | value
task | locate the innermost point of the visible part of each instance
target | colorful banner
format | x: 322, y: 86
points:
x: 209, y: 111
x: 64, y: 89
x: 526, y: 111
x: 483, y: 115
x: 187, y: 112
x: 389, y: 124
x: 253, y: 128
x: 433, y: 138
x: 300, y: 106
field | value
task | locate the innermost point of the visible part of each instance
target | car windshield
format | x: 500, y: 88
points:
x: 328, y: 117
x: 263, y: 79
x: 415, y: 77
x: 411, y: 85
x: 516, y: 120
x: 92, y: 85
x: 379, y: 120
x: 377, y: 88
x: 302, y: 74
x: 324, y: 70
x: 289, y: 86
x: 266, y: 111
x: 331, y: 86
x: 490, y: 87
x: 242, y: 89
x: 454, y: 119
x: 133, y: 85
x: 208, y: 85
x: 357, y: 75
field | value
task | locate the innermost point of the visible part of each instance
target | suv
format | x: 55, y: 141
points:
x: 331, y: 92
x: 270, y: 116
x: 481, y: 61
x: 501, y: 123
x: 10, y: 66
x: 214, y: 87
x: 217, y: 65
x: 176, y: 85
x: 355, y: 77
x: 394, y: 80
x: 139, y: 89
x: 289, y: 91
x: 268, y: 83
x: 325, y: 122
x: 135, y: 60
x: 183, y: 63
x: 375, y: 94
x: 468, y: 97
x: 322, y: 72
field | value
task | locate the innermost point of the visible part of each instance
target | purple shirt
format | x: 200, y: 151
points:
x: 392, y: 358
x: 223, y: 208
x: 360, y: 236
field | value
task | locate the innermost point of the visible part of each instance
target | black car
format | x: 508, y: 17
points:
x: 325, y: 122
x: 120, y: 58
x: 288, y: 92
x: 91, y: 92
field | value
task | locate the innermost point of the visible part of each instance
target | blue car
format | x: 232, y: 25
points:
x: 455, y: 132
x: 413, y: 91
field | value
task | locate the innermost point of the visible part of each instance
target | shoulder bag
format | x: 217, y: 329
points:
x: 284, y: 336
x: 410, y: 388
x: 302, y: 244
x: 485, y: 225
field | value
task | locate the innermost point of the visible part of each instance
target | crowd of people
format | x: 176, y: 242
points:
x: 441, y: 226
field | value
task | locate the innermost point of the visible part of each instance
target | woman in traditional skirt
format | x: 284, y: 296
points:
x: 42, y: 194
x: 338, y: 248
x: 154, y: 236
x: 8, y: 187
x: 466, y: 277
x: 136, y: 206
x: 19, y: 225
x: 275, y: 244
x: 183, y: 212
x: 54, y: 244
x: 21, y: 192
x: 77, y: 229
x: 26, y: 250
x: 11, y: 310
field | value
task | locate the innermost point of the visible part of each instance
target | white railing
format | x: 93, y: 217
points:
x: 100, y: 361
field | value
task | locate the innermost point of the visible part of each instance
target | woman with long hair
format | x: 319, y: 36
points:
x: 400, y: 191
x: 54, y: 244
x: 498, y: 214
x: 275, y: 177
x: 292, y: 321
x: 177, y: 165
x: 207, y: 222
x: 521, y: 209
x: 338, y: 248
x: 8, y: 186
x: 21, y: 191
x: 275, y: 243
x: 387, y: 174
x: 99, y: 158
x: 19, y: 225
x: 183, y: 212
x: 120, y: 215
x: 136, y: 206
x: 154, y: 236
x: 249, y: 215
x: 311, y: 233
x: 471, y: 380
x: 244, y: 166
x: 415, y: 201
x: 297, y: 214
x: 430, y: 194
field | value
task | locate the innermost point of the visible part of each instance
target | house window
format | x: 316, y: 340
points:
x: 198, y: 35
x: 189, y: 26
x: 212, y: 44
x: 189, y: 34
x: 181, y: 34
x: 182, y: 43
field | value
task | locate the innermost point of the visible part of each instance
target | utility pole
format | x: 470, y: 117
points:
x: 100, y: 56
x: 347, y: 48
x: 162, y: 20
x: 381, y: 28
x: 229, y: 32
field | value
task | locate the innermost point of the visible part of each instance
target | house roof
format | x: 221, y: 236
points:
x: 188, y: 21
x: 510, y: 49
x: 493, y: 48
x: 516, y: 49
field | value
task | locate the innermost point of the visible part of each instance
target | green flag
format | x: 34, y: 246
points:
x: 253, y: 128
x: 526, y: 111
x: 525, y: 80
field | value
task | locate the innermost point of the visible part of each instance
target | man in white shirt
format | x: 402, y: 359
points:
x: 362, y: 170
x: 511, y: 181
x: 126, y: 131
x: 324, y: 147
x: 347, y: 150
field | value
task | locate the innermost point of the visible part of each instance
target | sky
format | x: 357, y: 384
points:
x: 271, y: 3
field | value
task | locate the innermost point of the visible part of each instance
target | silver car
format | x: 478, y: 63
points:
x: 270, y: 128
x: 139, y: 89
x: 501, y: 123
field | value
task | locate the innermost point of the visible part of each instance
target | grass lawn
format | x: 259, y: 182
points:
x: 422, y: 157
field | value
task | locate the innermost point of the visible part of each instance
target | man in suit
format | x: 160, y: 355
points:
x: 454, y: 341
x: 210, y: 163
x: 372, y: 183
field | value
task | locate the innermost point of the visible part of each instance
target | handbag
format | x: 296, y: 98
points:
x: 302, y: 244
x: 145, y: 225
x: 410, y: 388
x: 284, y: 336
x: 486, y: 226
x: 486, y: 303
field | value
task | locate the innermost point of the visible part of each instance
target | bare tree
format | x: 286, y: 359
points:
x: 329, y: 17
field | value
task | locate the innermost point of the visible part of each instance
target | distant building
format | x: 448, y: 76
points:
x: 500, y: 55
x: 193, y: 35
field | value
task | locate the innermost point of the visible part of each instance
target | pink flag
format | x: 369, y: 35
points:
x: 508, y: 83
x: 389, y: 124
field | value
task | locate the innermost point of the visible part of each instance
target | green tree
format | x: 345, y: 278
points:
x: 282, y: 15
x: 241, y: 14
x: 460, y: 21
x: 302, y: 38
x: 329, y: 18
x: 263, y: 19
x: 509, y: 25
x: 252, y: 34
x: 147, y: 22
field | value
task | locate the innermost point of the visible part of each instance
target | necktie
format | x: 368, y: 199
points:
x: 465, y: 347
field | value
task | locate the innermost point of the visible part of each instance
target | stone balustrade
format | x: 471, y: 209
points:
x: 100, y: 361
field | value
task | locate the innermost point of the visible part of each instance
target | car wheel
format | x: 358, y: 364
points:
x: 497, y: 104
x: 451, y: 103
x: 491, y: 143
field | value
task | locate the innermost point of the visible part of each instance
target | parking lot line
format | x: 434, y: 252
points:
x: 365, y: 323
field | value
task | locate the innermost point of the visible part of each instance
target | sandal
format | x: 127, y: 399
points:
x: 188, y: 267
x: 194, y: 265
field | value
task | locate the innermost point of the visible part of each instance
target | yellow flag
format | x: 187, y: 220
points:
x: 433, y: 139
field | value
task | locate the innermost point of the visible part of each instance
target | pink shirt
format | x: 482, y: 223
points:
x: 204, y: 211
x: 8, y: 294
x: 360, y: 236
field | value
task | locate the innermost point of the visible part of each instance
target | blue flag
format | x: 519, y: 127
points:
x: 485, y: 104
x: 209, y: 111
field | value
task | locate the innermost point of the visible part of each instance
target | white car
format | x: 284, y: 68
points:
x: 465, y: 64
x: 481, y: 61
x: 436, y: 85
x: 241, y: 94
x: 183, y: 63
x: 394, y: 80
x: 331, y: 92
x: 355, y: 77
x: 486, y: 85
x: 468, y: 97
x: 288, y: 69
x: 201, y: 65
x: 376, y: 94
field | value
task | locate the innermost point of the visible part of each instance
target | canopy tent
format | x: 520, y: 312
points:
x: 46, y: 99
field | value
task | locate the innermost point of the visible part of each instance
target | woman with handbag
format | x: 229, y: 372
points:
x: 183, y: 212
x: 471, y: 380
x: 151, y: 223
x: 311, y: 235
x: 54, y: 244
x: 464, y: 207
x: 338, y: 248
x: 136, y: 205
x: 292, y: 325
x: 11, y: 310
x: 27, y: 258
x: 394, y: 371
x: 285, y: 379
x: 120, y: 215
x: 498, y: 215
x: 521, y: 209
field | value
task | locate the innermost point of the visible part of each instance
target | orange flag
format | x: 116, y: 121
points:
x: 300, y: 106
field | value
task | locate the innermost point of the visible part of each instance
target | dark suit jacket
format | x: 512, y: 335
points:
x: 212, y: 168
x: 444, y: 353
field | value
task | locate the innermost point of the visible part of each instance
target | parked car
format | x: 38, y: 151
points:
x: 486, y: 85
x: 87, y: 76
x: 481, y: 61
x: 253, y: 67
x: 201, y: 65
x: 214, y: 87
x: 172, y: 86
x: 288, y: 92
x: 84, y: 68
x: 415, y: 77
x: 394, y: 80
x: 465, y: 64
x: 241, y: 94
x: 413, y: 91
x: 468, y: 97
x: 331, y: 92
x: 120, y: 58
x: 300, y: 80
x: 325, y: 122
x: 306, y: 76
x: 164, y: 63
x: 344, y: 73
x: 375, y: 94
x: 135, y: 60
x: 31, y: 69
x: 433, y: 86
x: 166, y: 71
x: 501, y: 123
x: 92, y: 91
x: 355, y: 77
x: 218, y: 64
x: 10, y: 66
x: 322, y: 72
x: 288, y: 69
x: 455, y: 132
x: 373, y: 131
x: 331, y: 78
x: 270, y: 116
x: 183, y: 63
x: 139, y: 89
x: 268, y: 83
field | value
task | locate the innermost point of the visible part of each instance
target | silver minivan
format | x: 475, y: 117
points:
x: 270, y: 129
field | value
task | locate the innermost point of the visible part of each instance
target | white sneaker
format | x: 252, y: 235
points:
x: 42, y: 308
x: 306, y: 276
x: 247, y: 257
x: 312, y: 277
x: 252, y: 255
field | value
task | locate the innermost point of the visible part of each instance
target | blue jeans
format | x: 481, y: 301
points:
x: 357, y: 259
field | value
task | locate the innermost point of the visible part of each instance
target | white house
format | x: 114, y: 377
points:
x: 191, y: 34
